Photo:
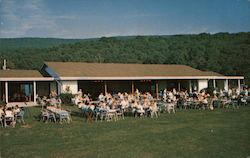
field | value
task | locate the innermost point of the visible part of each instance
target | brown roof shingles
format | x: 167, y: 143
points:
x: 79, y: 69
x: 211, y: 73
x: 19, y: 73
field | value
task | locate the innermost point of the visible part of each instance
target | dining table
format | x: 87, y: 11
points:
x: 62, y: 114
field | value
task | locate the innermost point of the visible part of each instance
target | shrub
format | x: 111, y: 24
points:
x: 209, y: 90
x: 2, y: 103
x: 66, y: 98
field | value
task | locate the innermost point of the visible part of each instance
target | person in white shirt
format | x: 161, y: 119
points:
x: 146, y: 103
x: 103, y: 105
x: 9, y: 117
x: 221, y: 93
x: 170, y: 95
x: 137, y: 93
x: 120, y: 95
x: 203, y: 93
x: 165, y: 95
x: 245, y: 92
x: 140, y: 109
x: 110, y: 102
x: 237, y: 92
x: 124, y: 103
x: 174, y: 91
x: 16, y: 110
x: 101, y: 97
x: 214, y: 92
x: 153, y: 109
x: 79, y: 93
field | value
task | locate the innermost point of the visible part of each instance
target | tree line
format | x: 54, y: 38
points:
x: 225, y: 53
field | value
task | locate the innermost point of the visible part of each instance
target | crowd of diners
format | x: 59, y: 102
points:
x: 203, y: 99
x: 138, y: 104
x: 52, y: 101
x: 10, y: 115
x: 144, y: 104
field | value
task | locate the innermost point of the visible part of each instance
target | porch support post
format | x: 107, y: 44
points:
x: 133, y: 87
x: 179, y: 86
x: 6, y: 92
x: 105, y: 88
x: 190, y: 86
x: 226, y: 85
x: 156, y: 89
x: 34, y: 90
x: 239, y: 85
x: 214, y: 83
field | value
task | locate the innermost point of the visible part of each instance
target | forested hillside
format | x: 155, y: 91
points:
x: 225, y: 53
x: 16, y: 43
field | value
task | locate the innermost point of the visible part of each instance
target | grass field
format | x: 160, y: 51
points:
x: 188, y: 133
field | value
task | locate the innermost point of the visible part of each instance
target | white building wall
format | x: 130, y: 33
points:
x: 73, y: 86
x: 202, y: 84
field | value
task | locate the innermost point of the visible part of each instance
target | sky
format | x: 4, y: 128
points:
x: 99, y: 18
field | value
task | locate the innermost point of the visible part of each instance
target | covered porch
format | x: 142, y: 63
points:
x: 95, y: 87
x: 24, y: 92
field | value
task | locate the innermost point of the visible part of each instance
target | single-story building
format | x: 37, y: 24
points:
x: 95, y: 78
x: 20, y: 87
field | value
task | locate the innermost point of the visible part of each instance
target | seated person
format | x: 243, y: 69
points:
x: 16, y: 110
x: 153, y: 109
x: 139, y: 108
x: 9, y: 117
x: 124, y: 103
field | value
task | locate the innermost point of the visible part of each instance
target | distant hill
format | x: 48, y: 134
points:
x: 225, y: 53
x: 15, y: 43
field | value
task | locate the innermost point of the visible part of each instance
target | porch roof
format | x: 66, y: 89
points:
x: 22, y: 75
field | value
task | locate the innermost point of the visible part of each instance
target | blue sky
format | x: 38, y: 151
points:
x: 98, y: 18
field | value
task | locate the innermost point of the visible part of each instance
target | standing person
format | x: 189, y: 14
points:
x: 174, y: 91
x: 80, y: 92
x: 165, y: 95
x: 214, y: 92
x: 53, y: 94
x: 101, y: 97
x: 153, y: 109
x: 237, y: 92
x: 137, y: 93
x: 245, y: 92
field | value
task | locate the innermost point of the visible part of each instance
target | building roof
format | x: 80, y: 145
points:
x: 211, y: 73
x: 80, y: 69
x: 19, y: 73
x: 22, y: 75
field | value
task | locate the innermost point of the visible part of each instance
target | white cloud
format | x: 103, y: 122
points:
x: 31, y: 18
x: 19, y: 18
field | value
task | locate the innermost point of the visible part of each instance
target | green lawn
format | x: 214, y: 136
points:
x: 188, y: 133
